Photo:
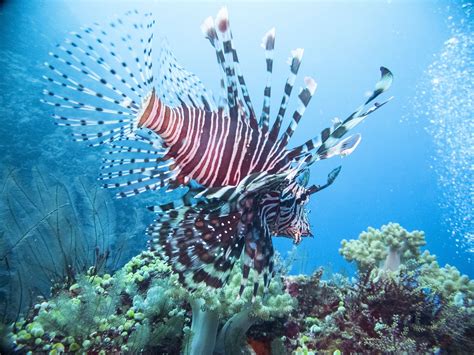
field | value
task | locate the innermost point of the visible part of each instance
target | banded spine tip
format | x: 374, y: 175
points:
x: 208, y: 28
x: 310, y: 84
x: 268, y: 40
x: 222, y: 19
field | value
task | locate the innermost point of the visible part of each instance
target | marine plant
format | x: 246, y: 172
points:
x: 57, y: 230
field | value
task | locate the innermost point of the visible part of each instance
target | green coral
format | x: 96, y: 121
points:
x: 375, y: 246
x: 125, y: 312
x: 213, y: 307
x: 377, y: 249
x: 449, y: 282
x: 142, y: 306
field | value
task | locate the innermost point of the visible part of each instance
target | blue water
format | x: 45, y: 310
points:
x: 392, y: 175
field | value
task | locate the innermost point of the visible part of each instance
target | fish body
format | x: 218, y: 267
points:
x: 211, y: 147
x: 163, y: 129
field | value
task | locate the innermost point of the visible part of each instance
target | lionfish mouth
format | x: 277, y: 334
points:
x: 295, y: 234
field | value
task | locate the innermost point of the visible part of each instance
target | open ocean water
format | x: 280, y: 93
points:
x: 412, y: 167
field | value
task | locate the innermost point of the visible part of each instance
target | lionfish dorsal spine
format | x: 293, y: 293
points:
x: 223, y: 27
x: 304, y: 98
x: 268, y: 43
x: 294, y: 62
x: 329, y: 143
x: 209, y: 30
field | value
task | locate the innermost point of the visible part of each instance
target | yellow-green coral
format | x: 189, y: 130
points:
x: 375, y: 245
x: 448, y: 282
x: 110, y: 310
x: 140, y: 305
x: 374, y: 248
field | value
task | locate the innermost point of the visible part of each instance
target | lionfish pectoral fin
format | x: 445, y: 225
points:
x: 343, y: 148
x: 331, y: 178
x: 303, y: 177
x: 257, y: 257
x: 137, y: 164
x: 99, y: 87
x: 386, y: 79
x: 253, y: 183
x: 333, y: 175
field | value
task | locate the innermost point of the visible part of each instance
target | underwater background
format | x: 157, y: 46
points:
x: 413, y: 166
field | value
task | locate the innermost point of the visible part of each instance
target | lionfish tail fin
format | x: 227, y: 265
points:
x: 329, y: 143
x: 99, y: 86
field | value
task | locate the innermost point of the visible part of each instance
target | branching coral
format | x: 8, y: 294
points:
x: 214, y: 308
x: 401, y: 302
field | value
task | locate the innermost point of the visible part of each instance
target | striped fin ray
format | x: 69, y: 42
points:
x: 136, y: 165
x: 330, y: 180
x: 97, y: 86
x: 223, y: 26
x: 257, y: 256
x: 268, y: 43
x: 209, y: 30
x: 126, y: 38
x: 253, y: 183
x: 201, y: 248
x: 233, y: 72
x: 177, y: 86
x: 329, y: 143
x: 294, y: 61
x: 304, y: 98
x: 186, y: 200
x: 228, y: 60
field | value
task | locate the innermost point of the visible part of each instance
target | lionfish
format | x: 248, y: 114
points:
x: 164, y: 130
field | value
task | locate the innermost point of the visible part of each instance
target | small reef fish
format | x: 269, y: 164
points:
x: 164, y: 130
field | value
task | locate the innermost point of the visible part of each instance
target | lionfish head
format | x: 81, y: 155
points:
x: 292, y: 220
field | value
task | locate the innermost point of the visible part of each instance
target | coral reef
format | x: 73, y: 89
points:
x: 388, y: 247
x: 128, y: 311
x: 401, y: 302
x: 417, y: 307
x: 392, y: 247
x: 143, y: 307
